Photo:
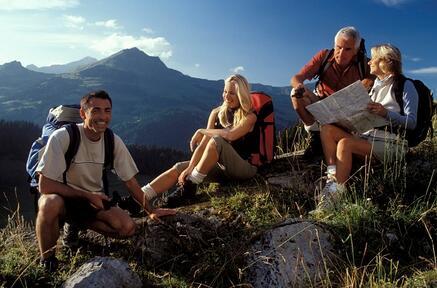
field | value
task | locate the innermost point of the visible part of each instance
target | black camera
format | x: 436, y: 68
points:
x: 298, y: 93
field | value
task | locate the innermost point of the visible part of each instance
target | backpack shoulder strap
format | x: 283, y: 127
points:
x: 362, y: 60
x: 109, y: 148
x: 398, y: 90
x: 325, y: 64
x: 73, y: 146
x: 109, y: 158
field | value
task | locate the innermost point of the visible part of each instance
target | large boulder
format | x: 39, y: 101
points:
x: 104, y: 272
x: 295, y: 253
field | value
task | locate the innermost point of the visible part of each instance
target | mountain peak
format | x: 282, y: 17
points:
x: 131, y: 59
x: 14, y: 65
x: 133, y: 53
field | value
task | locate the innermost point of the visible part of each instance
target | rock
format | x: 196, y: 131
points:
x: 103, y: 272
x: 175, y: 238
x: 293, y: 254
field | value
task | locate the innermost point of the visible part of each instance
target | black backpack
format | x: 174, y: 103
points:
x: 361, y: 62
x: 424, y: 109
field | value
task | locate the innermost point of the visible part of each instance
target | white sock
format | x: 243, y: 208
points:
x: 331, y: 170
x: 196, y: 177
x: 149, y: 192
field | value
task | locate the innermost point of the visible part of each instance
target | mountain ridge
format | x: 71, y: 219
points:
x: 153, y: 104
x: 63, y: 68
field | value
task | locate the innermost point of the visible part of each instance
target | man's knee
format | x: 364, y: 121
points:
x: 121, y: 222
x: 126, y: 227
x: 129, y: 228
x: 50, y: 206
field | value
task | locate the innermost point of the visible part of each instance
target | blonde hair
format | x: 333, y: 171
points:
x: 244, y: 99
x: 390, y: 56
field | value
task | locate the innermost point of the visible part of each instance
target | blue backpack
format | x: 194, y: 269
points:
x: 65, y: 116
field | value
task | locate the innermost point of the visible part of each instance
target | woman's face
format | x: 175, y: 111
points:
x: 230, y: 95
x: 374, y: 66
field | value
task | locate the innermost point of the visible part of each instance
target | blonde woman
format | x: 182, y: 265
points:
x: 220, y: 151
x: 384, y: 143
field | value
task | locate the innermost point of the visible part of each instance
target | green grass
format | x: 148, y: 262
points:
x: 385, y: 226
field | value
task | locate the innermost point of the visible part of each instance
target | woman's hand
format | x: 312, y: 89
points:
x: 195, y: 140
x: 184, y: 174
x: 377, y: 108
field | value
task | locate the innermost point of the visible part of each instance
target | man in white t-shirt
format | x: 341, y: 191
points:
x: 81, y: 200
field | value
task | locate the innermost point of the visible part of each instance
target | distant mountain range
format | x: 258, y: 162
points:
x: 64, y: 68
x: 153, y: 104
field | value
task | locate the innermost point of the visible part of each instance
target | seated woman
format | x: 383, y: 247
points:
x: 221, y: 150
x: 384, y: 144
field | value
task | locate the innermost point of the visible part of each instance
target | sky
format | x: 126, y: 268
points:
x: 266, y: 41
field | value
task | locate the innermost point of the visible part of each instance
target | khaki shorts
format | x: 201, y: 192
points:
x: 387, y: 150
x: 230, y: 165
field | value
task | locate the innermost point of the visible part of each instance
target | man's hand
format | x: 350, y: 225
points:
x: 96, y: 199
x: 161, y: 212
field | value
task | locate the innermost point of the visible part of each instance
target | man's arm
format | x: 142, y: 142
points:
x: 135, y: 189
x: 301, y: 100
x: 49, y: 186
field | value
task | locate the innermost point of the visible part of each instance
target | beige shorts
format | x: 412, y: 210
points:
x: 387, y: 150
x: 230, y: 165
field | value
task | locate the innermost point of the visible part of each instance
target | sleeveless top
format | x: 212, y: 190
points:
x: 245, y: 145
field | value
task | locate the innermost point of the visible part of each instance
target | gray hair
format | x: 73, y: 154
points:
x: 349, y: 32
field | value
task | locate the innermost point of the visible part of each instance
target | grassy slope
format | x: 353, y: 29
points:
x: 385, y: 226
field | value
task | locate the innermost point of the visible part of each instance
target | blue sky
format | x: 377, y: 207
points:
x: 267, y: 41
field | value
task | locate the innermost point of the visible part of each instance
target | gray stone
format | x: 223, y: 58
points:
x: 103, y: 272
x: 294, y: 254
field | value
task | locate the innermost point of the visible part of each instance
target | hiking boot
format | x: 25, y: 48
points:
x: 328, y: 195
x: 49, y: 264
x: 70, y: 238
x: 327, y: 198
x: 182, y: 195
x: 314, y: 148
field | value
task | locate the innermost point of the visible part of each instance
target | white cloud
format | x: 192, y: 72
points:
x: 148, y: 30
x: 37, y: 4
x: 427, y: 70
x: 197, y: 65
x: 111, y: 23
x: 237, y: 69
x: 391, y: 3
x: 75, y: 22
x: 157, y: 46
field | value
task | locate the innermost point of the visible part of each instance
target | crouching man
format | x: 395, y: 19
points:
x: 79, y: 199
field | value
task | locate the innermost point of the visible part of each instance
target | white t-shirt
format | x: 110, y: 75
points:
x: 85, y: 172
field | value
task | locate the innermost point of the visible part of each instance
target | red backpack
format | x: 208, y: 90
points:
x: 264, y: 127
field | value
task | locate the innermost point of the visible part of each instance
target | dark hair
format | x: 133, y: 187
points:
x: 101, y: 94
